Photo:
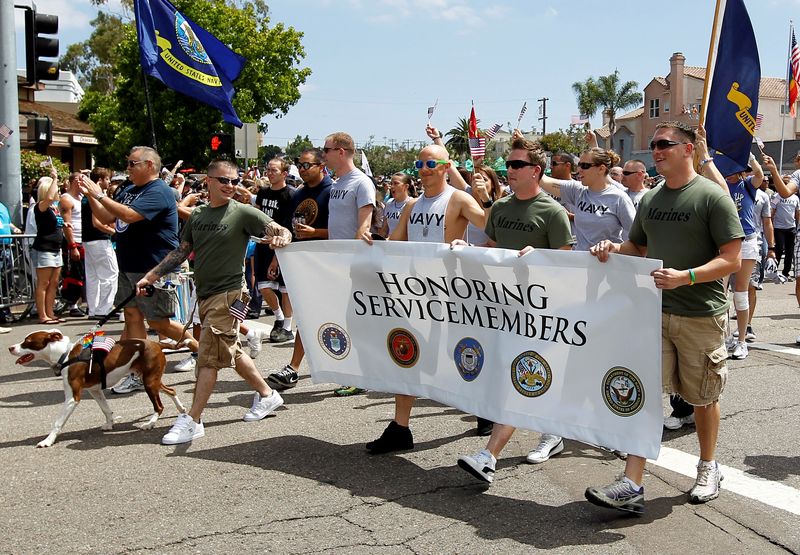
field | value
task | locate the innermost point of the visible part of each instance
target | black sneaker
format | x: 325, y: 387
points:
x: 76, y: 312
x: 484, y: 427
x: 285, y: 378
x: 281, y: 336
x: 394, y: 438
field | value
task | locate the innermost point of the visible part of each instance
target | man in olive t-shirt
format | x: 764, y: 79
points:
x: 218, y: 234
x: 691, y: 224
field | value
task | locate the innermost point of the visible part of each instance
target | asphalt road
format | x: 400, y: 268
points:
x: 301, y: 481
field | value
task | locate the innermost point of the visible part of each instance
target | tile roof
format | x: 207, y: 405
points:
x: 62, y: 121
x: 770, y: 87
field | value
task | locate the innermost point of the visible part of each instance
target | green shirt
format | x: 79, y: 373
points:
x: 219, y: 237
x: 685, y: 228
x: 539, y: 222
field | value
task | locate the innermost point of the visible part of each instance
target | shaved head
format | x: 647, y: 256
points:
x: 434, y: 152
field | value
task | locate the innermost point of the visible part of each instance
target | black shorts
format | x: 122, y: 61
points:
x: 262, y: 259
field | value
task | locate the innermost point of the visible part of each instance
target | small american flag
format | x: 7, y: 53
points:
x: 477, y: 146
x: 759, y: 120
x: 238, y: 310
x: 5, y: 133
x: 579, y: 120
x: 103, y: 343
x: 522, y: 112
x: 492, y: 131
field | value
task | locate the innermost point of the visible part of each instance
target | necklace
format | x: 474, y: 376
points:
x: 424, y: 213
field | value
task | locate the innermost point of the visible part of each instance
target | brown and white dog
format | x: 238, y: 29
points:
x: 139, y: 356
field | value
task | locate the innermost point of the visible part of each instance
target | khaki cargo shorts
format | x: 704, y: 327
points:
x: 219, y: 333
x: 693, y: 356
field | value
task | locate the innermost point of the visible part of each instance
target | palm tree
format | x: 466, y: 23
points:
x: 458, y: 140
x: 607, y: 92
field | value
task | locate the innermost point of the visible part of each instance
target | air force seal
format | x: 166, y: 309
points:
x: 403, y: 347
x: 334, y: 340
x: 531, y: 374
x: 623, y: 391
x: 468, y: 356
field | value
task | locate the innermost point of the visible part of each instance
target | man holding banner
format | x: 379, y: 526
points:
x: 440, y: 215
x: 692, y: 225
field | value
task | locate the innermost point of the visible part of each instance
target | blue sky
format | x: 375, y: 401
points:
x: 378, y: 64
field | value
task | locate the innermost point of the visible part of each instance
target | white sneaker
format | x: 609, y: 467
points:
x: 706, y: 486
x: 549, y: 445
x: 183, y: 431
x: 254, y: 343
x: 730, y: 342
x: 676, y: 423
x: 5, y: 330
x: 740, y: 351
x: 481, y: 465
x: 128, y: 385
x: 263, y: 406
x: 186, y: 365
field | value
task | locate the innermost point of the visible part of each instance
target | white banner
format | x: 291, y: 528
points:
x: 554, y: 341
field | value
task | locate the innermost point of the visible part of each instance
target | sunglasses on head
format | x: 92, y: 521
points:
x: 227, y: 180
x: 307, y: 165
x: 664, y: 144
x: 518, y: 164
x: 586, y: 165
x: 430, y: 164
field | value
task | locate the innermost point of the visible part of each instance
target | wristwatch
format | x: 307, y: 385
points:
x: 100, y: 197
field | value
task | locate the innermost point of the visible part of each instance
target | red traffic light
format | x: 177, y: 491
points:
x: 220, y: 143
x: 215, y: 143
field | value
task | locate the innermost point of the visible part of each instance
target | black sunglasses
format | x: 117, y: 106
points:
x: 553, y: 163
x: 586, y: 165
x: 664, y: 144
x: 307, y: 165
x: 518, y: 164
x: 227, y: 180
x: 325, y: 149
x: 629, y: 173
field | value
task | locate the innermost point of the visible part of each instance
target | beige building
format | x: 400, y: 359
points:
x: 678, y: 97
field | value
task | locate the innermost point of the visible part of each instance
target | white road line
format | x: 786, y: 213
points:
x: 776, y: 348
x: 764, y: 491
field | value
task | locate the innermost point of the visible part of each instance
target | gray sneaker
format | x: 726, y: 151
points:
x: 262, y: 406
x: 281, y: 335
x: 128, y: 385
x: 618, y: 495
x: 706, y: 486
x: 678, y: 422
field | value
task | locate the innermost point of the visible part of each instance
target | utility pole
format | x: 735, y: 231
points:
x: 543, y: 112
x: 10, y: 165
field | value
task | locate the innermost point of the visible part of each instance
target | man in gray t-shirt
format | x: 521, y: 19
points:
x: 352, y: 195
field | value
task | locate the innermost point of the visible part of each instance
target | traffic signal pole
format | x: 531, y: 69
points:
x: 10, y: 170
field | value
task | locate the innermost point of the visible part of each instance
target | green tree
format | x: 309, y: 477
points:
x: 458, y: 138
x: 92, y: 61
x: 569, y: 141
x: 181, y: 123
x: 608, y: 93
x: 297, y: 145
x: 33, y: 167
x: 268, y: 152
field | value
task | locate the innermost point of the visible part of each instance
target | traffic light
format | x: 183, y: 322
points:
x: 220, y: 143
x: 37, y: 46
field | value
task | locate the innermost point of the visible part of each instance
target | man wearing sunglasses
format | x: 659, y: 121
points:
x: 146, y: 223
x: 528, y: 219
x: 440, y: 215
x: 633, y: 174
x: 689, y: 223
x: 218, y: 234
x: 311, y: 202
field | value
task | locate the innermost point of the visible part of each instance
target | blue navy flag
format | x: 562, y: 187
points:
x: 732, y: 104
x: 186, y: 57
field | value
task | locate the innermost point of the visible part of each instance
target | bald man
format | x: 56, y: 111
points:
x: 633, y: 175
x: 440, y: 215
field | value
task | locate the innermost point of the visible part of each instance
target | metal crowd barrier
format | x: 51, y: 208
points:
x: 16, y: 276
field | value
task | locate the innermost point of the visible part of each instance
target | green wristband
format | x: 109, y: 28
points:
x: 692, y: 277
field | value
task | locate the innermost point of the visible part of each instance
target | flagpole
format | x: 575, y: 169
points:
x: 786, y: 94
x: 707, y: 83
x: 149, y: 111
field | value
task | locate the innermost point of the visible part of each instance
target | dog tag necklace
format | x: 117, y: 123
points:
x: 425, y: 219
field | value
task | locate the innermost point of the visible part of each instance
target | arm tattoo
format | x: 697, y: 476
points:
x: 273, y: 229
x: 173, y: 259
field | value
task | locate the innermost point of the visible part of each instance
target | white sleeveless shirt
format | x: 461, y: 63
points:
x: 426, y: 220
x: 77, y: 233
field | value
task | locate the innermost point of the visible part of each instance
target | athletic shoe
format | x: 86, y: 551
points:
x: 278, y: 325
x: 394, y: 438
x: 183, y: 431
x: 280, y: 335
x: 5, y: 330
x: 263, y: 406
x: 76, y: 313
x: 347, y: 391
x: 254, y: 343
x: 484, y: 427
x: 750, y: 335
x: 619, y: 495
x: 739, y: 351
x: 128, y: 385
x: 186, y: 365
x: 549, y: 445
x: 481, y: 465
x: 678, y: 422
x: 286, y: 378
x: 706, y: 486
x: 730, y: 343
